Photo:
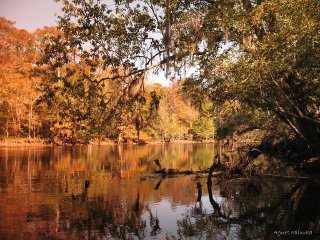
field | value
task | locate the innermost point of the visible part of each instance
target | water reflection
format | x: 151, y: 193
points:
x: 97, y: 193
x: 256, y: 210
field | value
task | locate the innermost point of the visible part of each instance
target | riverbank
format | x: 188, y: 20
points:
x: 111, y: 142
x: 21, y: 142
x: 14, y: 142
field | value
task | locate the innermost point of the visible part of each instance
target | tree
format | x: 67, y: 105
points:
x: 270, y: 64
x: 262, y: 54
x: 204, y: 128
x: 18, y: 93
x: 176, y: 114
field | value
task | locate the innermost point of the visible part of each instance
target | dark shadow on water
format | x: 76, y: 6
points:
x: 294, y: 214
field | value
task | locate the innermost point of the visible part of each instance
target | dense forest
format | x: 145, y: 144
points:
x: 236, y: 67
x: 79, y: 111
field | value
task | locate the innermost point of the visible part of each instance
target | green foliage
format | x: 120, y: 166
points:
x: 264, y: 58
x: 255, y: 61
x: 175, y: 115
x: 204, y: 128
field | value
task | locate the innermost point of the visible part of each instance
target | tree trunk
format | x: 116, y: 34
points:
x: 19, y: 126
x: 138, y: 126
x: 138, y: 134
x: 7, y: 129
x: 29, y: 121
x: 310, y: 132
x: 306, y: 128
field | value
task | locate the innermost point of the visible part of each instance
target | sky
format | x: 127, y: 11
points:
x: 30, y: 14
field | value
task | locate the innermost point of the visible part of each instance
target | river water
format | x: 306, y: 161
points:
x: 101, y: 192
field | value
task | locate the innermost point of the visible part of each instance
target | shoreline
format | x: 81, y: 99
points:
x: 25, y: 142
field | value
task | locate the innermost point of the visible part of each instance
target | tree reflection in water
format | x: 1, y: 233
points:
x: 97, y: 218
x: 58, y: 193
x: 249, y: 210
x: 246, y: 211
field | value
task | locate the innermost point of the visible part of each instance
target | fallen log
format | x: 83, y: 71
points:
x: 216, y: 169
x: 170, y: 173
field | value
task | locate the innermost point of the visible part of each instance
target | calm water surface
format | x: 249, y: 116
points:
x: 99, y: 192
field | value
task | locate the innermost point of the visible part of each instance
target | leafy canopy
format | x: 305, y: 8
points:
x: 261, y: 55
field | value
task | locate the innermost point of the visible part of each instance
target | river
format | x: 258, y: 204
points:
x: 101, y: 192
